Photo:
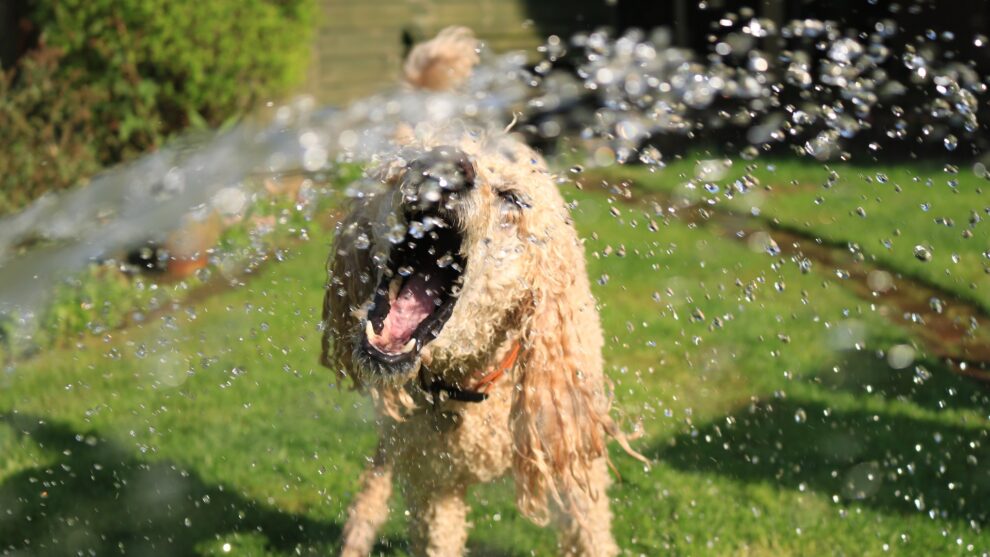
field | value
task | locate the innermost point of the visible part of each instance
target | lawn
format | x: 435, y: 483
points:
x: 924, y: 220
x: 785, y: 414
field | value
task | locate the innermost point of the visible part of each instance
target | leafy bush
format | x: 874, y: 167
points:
x: 46, y: 128
x: 112, y: 78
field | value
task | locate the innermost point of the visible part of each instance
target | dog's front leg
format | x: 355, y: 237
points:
x: 438, y: 525
x: 369, y: 510
x: 585, y: 520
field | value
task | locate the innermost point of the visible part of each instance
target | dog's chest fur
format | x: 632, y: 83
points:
x: 455, y: 442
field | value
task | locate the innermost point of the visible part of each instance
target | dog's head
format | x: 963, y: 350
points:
x: 433, y: 264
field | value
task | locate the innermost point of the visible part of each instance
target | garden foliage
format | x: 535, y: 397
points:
x: 109, y: 79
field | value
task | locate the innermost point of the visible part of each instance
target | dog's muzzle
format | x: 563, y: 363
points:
x: 434, y: 181
x: 420, y: 285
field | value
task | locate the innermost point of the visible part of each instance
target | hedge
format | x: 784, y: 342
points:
x: 113, y: 78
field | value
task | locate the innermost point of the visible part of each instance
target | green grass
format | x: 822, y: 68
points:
x: 777, y: 426
x: 883, y: 211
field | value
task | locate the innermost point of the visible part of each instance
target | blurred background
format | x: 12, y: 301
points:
x: 107, y: 81
x: 784, y: 209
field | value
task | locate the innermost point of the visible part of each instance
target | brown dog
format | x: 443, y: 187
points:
x: 458, y: 298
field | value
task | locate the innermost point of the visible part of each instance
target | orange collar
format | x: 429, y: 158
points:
x: 485, y: 383
x: 479, y: 391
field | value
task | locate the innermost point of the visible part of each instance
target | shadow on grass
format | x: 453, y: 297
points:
x: 926, y: 382
x: 97, y: 498
x: 895, y: 461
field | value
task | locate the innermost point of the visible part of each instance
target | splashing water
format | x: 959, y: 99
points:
x: 818, y: 94
x: 147, y: 198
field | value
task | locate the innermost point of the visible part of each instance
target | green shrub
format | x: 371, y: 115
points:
x: 123, y: 75
x: 46, y: 128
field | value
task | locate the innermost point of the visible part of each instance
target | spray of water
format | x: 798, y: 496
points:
x: 820, y: 89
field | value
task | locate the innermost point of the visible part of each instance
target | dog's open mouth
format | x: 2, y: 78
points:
x: 421, y: 282
x: 416, y: 295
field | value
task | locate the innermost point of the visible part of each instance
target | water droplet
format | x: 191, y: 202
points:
x: 445, y: 260
x: 397, y: 233
x: 900, y: 356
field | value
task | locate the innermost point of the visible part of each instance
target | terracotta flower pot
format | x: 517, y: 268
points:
x: 187, y: 246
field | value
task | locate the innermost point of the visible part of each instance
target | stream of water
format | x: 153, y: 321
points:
x: 820, y: 93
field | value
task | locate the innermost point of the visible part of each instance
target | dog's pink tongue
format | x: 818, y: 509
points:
x: 413, y: 304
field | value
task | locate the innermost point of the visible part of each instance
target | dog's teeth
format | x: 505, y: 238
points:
x: 393, y: 288
x: 409, y: 346
x: 369, y: 331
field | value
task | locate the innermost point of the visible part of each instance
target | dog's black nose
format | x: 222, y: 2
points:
x: 436, y: 176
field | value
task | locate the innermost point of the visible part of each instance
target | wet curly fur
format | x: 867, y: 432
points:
x: 546, y: 422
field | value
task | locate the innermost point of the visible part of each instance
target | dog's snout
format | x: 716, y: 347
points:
x: 437, y: 175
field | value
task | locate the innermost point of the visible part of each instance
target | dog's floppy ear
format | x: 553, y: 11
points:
x: 560, y: 411
x: 351, y: 279
x: 343, y: 295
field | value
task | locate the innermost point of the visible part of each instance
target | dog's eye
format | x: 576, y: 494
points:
x: 514, y: 198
